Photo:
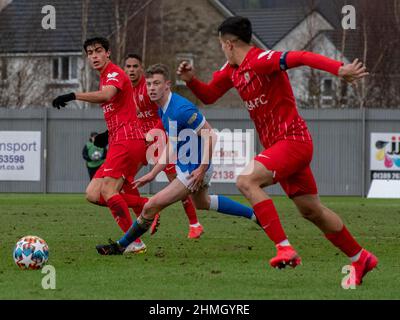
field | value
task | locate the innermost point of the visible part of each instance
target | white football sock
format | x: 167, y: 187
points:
x: 284, y: 243
x: 356, y: 257
x: 195, y: 225
x: 214, y: 202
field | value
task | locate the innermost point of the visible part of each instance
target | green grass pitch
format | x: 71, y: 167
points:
x: 230, y: 261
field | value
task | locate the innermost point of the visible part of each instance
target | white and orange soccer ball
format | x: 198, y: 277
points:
x: 31, y: 252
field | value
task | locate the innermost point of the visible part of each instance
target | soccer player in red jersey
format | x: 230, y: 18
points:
x: 126, y: 153
x: 259, y: 77
x: 148, y: 115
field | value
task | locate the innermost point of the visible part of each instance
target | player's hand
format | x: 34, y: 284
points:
x: 143, y: 180
x: 353, y: 71
x: 101, y: 140
x: 61, y: 101
x: 196, y: 179
x: 185, y: 71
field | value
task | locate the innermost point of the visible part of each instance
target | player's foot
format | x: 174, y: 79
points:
x: 195, y: 232
x: 136, y: 248
x: 110, y: 249
x: 286, y: 256
x: 154, y: 226
x: 363, y: 265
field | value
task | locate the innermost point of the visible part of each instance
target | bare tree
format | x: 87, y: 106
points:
x: 396, y: 12
x: 380, y: 49
x: 375, y: 42
x: 124, y: 13
x: 85, y: 72
x: 24, y: 84
x: 312, y: 84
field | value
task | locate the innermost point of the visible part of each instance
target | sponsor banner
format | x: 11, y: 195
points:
x: 385, y: 175
x: 20, y: 155
x: 385, y: 152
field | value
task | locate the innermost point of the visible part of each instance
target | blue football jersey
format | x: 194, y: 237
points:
x: 182, y: 120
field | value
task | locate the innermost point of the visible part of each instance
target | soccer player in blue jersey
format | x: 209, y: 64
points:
x: 191, y: 140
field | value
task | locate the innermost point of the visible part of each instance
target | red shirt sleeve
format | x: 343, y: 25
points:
x: 272, y: 61
x: 115, y: 79
x: 313, y: 60
x: 266, y: 62
x: 210, y: 92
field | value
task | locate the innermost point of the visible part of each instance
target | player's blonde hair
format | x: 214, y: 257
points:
x: 158, y: 68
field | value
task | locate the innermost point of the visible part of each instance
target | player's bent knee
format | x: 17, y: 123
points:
x: 92, y: 192
x: 92, y: 197
x: 311, y: 213
x: 244, y: 184
x: 108, y: 189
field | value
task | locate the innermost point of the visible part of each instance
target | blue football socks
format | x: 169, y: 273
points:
x: 227, y: 206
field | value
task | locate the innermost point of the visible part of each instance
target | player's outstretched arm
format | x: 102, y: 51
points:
x: 102, y: 96
x: 147, y: 178
x: 349, y: 72
x: 210, y: 92
x: 185, y: 71
x: 61, y: 101
x: 273, y: 61
x: 162, y: 162
x: 353, y: 71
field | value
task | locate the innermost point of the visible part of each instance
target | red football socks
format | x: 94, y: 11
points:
x: 267, y: 216
x: 120, y: 211
x: 136, y: 203
x: 345, y: 242
x: 134, y: 192
x: 190, y: 210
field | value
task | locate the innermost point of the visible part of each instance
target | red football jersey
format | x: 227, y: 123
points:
x: 266, y: 90
x: 147, y: 110
x: 120, y: 112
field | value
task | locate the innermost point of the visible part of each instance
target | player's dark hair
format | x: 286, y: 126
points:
x: 237, y: 26
x: 158, y: 68
x: 134, y: 56
x: 98, y: 40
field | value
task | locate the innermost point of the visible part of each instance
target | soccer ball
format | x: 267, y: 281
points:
x: 31, y: 252
x: 96, y: 155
